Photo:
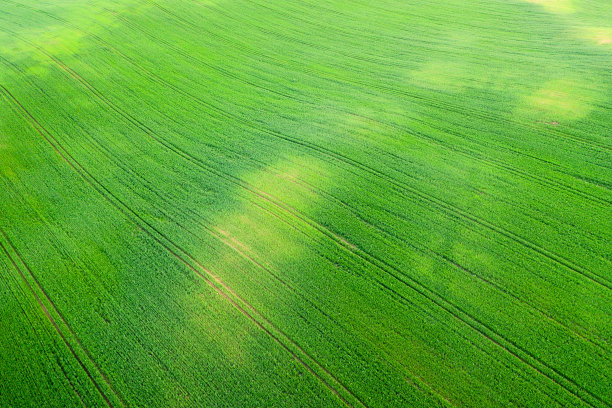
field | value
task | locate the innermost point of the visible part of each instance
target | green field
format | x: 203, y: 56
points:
x: 266, y: 203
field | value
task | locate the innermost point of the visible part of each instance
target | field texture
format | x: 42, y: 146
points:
x: 318, y: 203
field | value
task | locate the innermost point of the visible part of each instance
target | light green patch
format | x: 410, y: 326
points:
x: 363, y: 234
x: 598, y: 35
x: 556, y: 6
x: 558, y: 100
x: 441, y: 75
x: 292, y: 180
x: 233, y: 346
x: 451, y: 73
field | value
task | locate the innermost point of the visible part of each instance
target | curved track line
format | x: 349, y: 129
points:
x: 47, y: 331
x: 457, y: 212
x: 214, y: 281
x: 52, y: 320
x: 345, y: 159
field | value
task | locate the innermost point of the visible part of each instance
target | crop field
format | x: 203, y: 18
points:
x: 317, y: 203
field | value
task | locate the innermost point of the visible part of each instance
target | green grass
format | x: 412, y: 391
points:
x: 323, y: 203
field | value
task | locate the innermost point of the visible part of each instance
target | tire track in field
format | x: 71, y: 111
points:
x: 195, y: 219
x: 33, y: 327
x: 343, y: 242
x: 545, y: 181
x: 438, y: 103
x: 54, y: 323
x: 430, y: 252
x: 136, y: 175
x: 439, y: 203
x: 386, y: 268
x: 135, y: 335
x: 453, y: 210
x: 552, y: 183
x: 385, y: 288
x: 214, y: 281
x: 179, y: 224
x: 315, y: 306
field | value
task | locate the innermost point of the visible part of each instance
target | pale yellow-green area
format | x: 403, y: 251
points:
x: 232, y: 345
x: 556, y: 6
x: 598, y: 35
x: 452, y: 74
x: 441, y: 75
x: 70, y: 32
x: 292, y: 180
x: 248, y: 238
x: 559, y: 100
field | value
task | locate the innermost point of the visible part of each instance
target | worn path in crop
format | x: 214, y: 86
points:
x: 330, y: 203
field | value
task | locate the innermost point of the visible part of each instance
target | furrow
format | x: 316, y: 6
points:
x: 315, y: 147
x: 54, y: 323
x: 344, y: 393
